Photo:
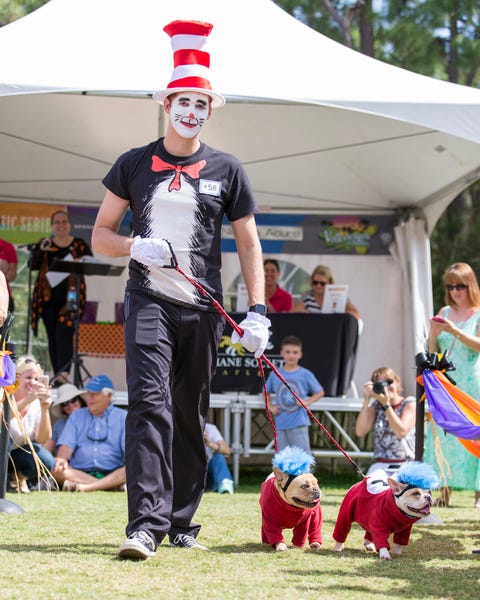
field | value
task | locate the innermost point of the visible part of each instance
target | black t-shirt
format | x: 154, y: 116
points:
x: 183, y: 200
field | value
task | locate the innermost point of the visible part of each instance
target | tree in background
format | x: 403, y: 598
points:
x: 437, y: 38
x: 455, y: 239
x: 11, y: 10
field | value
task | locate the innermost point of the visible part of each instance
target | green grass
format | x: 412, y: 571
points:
x: 64, y: 546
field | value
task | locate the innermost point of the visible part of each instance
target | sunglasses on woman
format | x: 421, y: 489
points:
x: 456, y: 286
x: 317, y: 282
x: 64, y: 404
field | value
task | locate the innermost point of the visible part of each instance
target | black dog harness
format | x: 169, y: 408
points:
x: 289, y: 481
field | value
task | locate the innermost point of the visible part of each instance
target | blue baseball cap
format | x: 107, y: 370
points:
x: 99, y: 383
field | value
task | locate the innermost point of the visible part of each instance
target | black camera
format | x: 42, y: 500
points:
x: 379, y: 386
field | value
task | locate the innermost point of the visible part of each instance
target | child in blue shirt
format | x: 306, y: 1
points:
x: 291, y: 419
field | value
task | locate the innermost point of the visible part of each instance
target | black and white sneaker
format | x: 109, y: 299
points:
x: 183, y: 540
x: 138, y: 545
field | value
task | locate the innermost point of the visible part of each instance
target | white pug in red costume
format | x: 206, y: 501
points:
x: 290, y: 499
x: 383, y: 506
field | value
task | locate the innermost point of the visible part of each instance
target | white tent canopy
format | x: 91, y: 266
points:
x: 319, y: 127
x: 327, y: 128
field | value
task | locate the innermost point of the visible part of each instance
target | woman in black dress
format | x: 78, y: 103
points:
x: 49, y: 301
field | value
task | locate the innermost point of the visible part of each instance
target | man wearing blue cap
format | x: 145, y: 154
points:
x: 91, y: 453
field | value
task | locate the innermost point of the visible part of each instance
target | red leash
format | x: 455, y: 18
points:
x: 239, y: 330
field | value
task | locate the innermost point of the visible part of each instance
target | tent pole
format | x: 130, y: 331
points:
x: 420, y: 419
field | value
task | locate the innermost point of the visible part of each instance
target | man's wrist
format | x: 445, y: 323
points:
x: 260, y: 309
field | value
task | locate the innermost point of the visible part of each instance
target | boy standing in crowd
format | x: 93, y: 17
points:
x: 291, y: 420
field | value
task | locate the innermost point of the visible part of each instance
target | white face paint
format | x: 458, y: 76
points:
x: 188, y: 113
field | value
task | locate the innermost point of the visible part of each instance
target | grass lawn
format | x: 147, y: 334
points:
x: 64, y: 546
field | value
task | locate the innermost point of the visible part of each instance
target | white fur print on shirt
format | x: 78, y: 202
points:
x: 173, y: 215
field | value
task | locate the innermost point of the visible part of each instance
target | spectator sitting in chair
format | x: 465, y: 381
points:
x: 219, y: 478
x: 91, y: 447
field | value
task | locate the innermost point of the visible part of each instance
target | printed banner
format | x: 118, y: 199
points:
x: 27, y: 222
x: 317, y: 234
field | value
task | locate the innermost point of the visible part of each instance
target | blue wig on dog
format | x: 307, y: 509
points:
x: 417, y: 474
x: 293, y: 460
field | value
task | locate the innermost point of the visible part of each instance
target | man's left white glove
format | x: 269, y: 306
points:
x: 152, y: 252
x: 255, y: 333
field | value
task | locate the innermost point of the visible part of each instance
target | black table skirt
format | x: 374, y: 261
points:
x: 329, y: 350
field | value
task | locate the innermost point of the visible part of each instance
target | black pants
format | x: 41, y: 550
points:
x: 171, y: 355
x: 60, y: 337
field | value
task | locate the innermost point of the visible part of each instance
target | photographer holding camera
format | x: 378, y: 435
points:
x: 393, y: 418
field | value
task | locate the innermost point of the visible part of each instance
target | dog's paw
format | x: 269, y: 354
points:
x: 369, y: 546
x: 384, y: 554
x: 338, y: 547
x: 315, y: 545
x: 396, y: 549
x: 281, y: 547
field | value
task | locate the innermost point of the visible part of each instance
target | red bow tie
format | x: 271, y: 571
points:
x: 192, y: 170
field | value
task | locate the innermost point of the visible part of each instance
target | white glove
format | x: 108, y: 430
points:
x: 152, y: 252
x: 255, y: 333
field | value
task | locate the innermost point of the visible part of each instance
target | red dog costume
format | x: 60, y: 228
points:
x: 376, y: 512
x: 278, y: 515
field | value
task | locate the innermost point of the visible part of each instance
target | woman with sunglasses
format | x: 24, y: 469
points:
x: 30, y: 426
x: 49, y: 300
x: 69, y: 399
x: 312, y: 301
x: 456, y: 329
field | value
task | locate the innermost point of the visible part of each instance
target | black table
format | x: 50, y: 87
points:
x: 329, y: 350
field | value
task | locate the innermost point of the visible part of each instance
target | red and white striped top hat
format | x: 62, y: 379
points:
x: 191, y: 61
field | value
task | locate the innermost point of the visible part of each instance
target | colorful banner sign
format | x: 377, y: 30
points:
x: 28, y: 222
x: 319, y: 234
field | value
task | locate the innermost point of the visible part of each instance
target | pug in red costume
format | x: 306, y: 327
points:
x: 383, y: 506
x: 290, y: 499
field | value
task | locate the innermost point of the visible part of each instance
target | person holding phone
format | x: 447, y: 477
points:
x: 49, y: 301
x: 30, y: 427
x: 456, y: 330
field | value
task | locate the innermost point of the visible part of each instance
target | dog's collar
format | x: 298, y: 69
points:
x: 289, y: 481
